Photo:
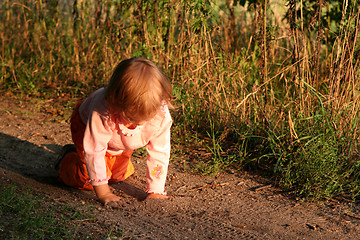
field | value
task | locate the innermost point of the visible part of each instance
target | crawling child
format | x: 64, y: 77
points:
x: 131, y: 112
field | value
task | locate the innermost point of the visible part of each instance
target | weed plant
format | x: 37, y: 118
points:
x: 271, y: 85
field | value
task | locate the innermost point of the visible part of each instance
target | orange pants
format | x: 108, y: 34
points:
x: 73, y: 172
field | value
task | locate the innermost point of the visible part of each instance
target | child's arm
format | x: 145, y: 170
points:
x: 158, y: 149
x: 105, y: 195
x: 97, y: 134
x: 157, y: 196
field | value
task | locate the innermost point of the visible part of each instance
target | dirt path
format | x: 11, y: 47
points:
x: 230, y: 206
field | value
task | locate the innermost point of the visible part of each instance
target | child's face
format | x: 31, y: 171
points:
x: 131, y: 121
x: 140, y: 123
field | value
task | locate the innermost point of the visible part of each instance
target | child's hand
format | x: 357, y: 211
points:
x: 105, y: 195
x: 157, y: 196
x: 109, y: 198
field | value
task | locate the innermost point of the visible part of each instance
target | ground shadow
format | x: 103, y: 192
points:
x: 130, y: 190
x: 28, y: 159
x: 37, y: 162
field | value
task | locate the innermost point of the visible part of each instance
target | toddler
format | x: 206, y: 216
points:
x: 132, y: 111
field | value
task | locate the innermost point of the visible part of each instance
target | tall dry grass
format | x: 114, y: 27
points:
x: 273, y: 85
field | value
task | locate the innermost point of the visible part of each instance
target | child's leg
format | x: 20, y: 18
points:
x: 72, y: 170
x: 119, y: 167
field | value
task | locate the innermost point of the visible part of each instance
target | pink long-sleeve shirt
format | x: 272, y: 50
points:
x: 106, y: 132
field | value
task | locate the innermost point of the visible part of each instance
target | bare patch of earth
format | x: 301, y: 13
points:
x: 228, y: 206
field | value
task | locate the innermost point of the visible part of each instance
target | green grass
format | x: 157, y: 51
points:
x: 23, y: 217
x: 28, y: 216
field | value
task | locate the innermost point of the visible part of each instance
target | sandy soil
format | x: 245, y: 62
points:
x: 228, y: 206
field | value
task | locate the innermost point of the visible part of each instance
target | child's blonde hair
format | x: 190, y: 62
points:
x: 137, y: 89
